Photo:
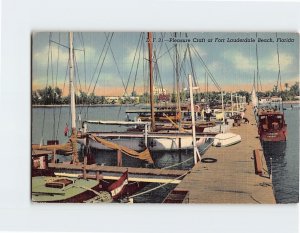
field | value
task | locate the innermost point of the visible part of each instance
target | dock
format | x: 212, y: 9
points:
x: 236, y: 174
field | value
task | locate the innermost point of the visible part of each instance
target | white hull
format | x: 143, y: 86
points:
x: 226, y: 139
x: 155, y: 144
x: 222, y: 128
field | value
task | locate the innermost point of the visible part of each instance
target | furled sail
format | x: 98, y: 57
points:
x: 144, y: 155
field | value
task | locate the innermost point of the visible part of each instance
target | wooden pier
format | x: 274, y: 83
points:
x: 236, y: 177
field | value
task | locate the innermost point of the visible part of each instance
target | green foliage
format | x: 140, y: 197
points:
x: 53, y: 96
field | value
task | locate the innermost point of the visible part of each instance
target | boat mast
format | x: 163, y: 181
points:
x: 151, y: 81
x: 195, y: 149
x: 72, y: 95
x: 177, y: 84
x: 223, y: 112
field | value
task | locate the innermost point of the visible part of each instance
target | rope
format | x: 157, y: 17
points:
x: 160, y: 186
x: 133, y: 63
x: 44, y: 115
x: 207, y: 70
x: 113, y: 55
x: 102, y: 64
x: 89, y: 189
x: 137, y: 65
x: 279, y: 71
x: 97, y: 65
x: 61, y: 105
x: 174, y: 165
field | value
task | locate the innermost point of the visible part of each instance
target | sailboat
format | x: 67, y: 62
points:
x: 48, y: 186
x: 167, y: 140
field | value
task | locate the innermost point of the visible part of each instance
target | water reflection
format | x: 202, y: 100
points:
x: 275, y: 154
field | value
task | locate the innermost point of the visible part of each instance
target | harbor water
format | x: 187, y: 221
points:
x: 282, y: 158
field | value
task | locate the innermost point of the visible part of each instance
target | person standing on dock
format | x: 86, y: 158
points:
x: 66, y: 131
x: 208, y: 113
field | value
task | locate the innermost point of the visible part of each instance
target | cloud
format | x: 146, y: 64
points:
x: 239, y: 60
x: 270, y: 63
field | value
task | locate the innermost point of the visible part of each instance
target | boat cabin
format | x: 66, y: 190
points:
x: 271, y: 121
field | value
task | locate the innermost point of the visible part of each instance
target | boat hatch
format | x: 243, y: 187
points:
x: 59, y: 183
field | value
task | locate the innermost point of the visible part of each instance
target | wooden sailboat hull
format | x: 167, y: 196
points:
x: 156, y: 143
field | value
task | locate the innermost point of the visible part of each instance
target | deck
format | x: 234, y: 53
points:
x: 233, y: 178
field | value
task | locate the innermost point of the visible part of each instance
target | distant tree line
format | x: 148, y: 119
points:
x: 288, y: 93
x: 53, y: 96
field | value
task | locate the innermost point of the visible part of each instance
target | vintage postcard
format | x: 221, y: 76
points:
x: 165, y: 117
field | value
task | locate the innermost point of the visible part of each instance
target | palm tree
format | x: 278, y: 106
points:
x: 286, y: 85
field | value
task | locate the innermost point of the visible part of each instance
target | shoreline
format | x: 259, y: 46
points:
x: 81, y: 105
x: 125, y: 105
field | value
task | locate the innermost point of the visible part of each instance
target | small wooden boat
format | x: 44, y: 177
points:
x: 61, y: 189
x: 226, y: 139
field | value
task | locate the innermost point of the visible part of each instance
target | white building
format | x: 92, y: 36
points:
x: 158, y: 91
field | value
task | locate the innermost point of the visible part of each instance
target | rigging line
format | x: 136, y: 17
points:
x: 160, y: 186
x: 145, y: 69
x: 66, y: 75
x: 170, y: 55
x: 58, y: 43
x: 156, y: 68
x: 98, y: 62
x: 62, y: 45
x: 192, y: 66
x: 279, y: 71
x: 114, y: 58
x: 138, y: 46
x: 182, y: 68
x: 129, y: 76
x: 57, y: 60
x: 207, y: 70
x: 45, y: 92
x: 102, y: 63
x: 161, y: 42
x: 168, y: 51
x: 137, y: 65
x: 84, y: 60
x: 53, y: 93
x: 76, y: 74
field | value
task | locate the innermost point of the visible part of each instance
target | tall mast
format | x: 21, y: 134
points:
x: 71, y: 77
x: 177, y: 84
x: 196, y: 151
x: 72, y: 94
x: 151, y: 80
x: 257, y: 69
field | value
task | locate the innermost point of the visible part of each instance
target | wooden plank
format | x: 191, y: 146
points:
x: 131, y: 179
x: 36, y: 153
x: 258, y: 163
x: 113, y: 169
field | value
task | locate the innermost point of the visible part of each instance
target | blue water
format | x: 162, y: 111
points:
x: 49, y: 123
x: 283, y: 160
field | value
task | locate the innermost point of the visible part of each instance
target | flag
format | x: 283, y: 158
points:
x: 117, y: 188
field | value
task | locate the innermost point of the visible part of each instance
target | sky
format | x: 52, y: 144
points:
x: 114, y: 64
